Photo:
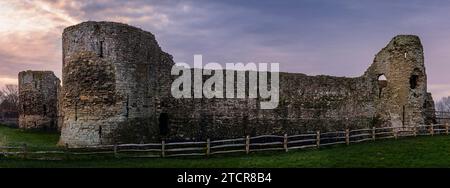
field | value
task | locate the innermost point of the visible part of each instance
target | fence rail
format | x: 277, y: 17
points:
x: 237, y: 145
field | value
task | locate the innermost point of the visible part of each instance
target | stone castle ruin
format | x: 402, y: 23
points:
x: 117, y: 82
x: 38, y: 100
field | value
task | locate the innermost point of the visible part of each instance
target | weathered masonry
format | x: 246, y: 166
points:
x: 38, y: 100
x: 110, y: 76
x: 116, y: 88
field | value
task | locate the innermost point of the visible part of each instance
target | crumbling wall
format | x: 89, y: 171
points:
x: 307, y: 103
x: 310, y: 103
x: 38, y: 96
x: 401, y: 101
x: 117, y: 89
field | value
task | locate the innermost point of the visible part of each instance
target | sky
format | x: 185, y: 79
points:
x: 314, y: 37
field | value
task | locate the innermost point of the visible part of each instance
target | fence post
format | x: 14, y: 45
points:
x: 163, y: 148
x: 415, y: 130
x: 347, y: 136
x: 431, y: 130
x: 24, y: 151
x: 115, y: 150
x: 318, y: 139
x: 373, y: 133
x: 394, y: 130
x: 285, y: 143
x: 208, y: 147
x: 66, y: 151
x: 247, y: 144
x: 446, y: 128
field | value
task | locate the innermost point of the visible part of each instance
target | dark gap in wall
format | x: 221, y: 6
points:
x: 45, y: 110
x: 76, y: 111
x: 127, y: 107
x: 101, y: 49
x: 163, y: 124
x: 100, y: 133
x: 403, y: 116
x: 413, y: 81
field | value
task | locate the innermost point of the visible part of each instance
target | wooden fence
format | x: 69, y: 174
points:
x: 238, y: 145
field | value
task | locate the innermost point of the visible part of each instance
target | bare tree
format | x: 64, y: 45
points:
x: 11, y: 94
x: 443, y: 105
x: 2, y: 97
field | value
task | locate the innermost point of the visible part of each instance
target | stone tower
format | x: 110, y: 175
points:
x: 110, y: 75
x: 400, y: 99
x: 38, y: 96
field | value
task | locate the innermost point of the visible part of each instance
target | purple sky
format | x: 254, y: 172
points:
x: 314, y: 37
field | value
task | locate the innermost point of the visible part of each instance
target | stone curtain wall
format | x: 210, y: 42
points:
x: 117, y: 89
x: 310, y: 103
x: 307, y: 103
x: 38, y: 99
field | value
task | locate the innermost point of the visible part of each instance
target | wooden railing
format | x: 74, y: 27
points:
x: 238, y: 145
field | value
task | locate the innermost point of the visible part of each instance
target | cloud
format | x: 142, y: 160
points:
x: 30, y: 37
x: 313, y: 37
x: 439, y: 91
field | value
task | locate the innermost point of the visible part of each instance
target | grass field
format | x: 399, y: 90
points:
x: 17, y: 137
x: 429, y: 151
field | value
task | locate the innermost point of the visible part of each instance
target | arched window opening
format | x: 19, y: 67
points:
x: 413, y: 81
x: 382, y: 83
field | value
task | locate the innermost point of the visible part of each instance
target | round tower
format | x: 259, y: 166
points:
x: 109, y: 77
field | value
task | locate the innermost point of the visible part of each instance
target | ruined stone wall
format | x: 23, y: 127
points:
x: 117, y: 89
x: 38, y: 96
x: 307, y: 103
x: 310, y: 103
x: 401, y: 102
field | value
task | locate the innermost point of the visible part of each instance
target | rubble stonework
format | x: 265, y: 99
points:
x: 110, y: 75
x: 38, y: 96
x: 117, y: 81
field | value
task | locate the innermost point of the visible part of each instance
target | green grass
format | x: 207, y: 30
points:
x: 429, y: 151
x: 17, y: 137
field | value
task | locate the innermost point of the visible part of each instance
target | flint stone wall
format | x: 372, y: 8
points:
x: 38, y: 100
x: 117, y: 81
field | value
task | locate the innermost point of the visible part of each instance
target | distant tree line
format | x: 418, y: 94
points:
x: 9, y: 97
x: 443, y: 105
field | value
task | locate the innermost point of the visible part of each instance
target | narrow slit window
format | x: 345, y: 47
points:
x: 101, y: 49
x: 76, y: 111
x: 45, y: 110
x: 403, y: 116
x: 127, y: 107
